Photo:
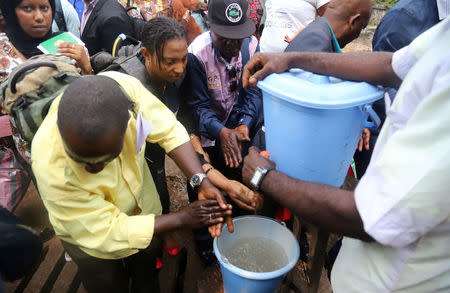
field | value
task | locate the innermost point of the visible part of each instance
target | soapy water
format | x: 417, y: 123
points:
x: 256, y: 254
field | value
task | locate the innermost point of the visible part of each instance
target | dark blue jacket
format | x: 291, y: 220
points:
x: 246, y: 110
x: 403, y: 23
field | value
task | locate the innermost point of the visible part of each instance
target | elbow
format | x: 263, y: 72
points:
x: 363, y: 236
x: 389, y: 77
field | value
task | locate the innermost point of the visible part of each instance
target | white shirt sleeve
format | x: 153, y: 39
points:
x: 402, y: 61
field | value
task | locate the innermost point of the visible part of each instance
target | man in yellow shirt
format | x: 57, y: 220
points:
x: 88, y: 158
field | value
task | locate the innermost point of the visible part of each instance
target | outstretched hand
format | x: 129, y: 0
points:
x: 231, y: 144
x: 244, y: 197
x: 204, y: 213
x: 263, y: 64
x: 243, y: 129
x: 208, y: 191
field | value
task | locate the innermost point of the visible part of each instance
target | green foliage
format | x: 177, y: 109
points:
x: 388, y: 3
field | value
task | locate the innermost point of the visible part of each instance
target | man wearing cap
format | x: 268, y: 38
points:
x: 228, y: 114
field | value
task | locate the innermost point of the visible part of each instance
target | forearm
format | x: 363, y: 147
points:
x: 167, y: 222
x: 197, y: 144
x: 216, y: 178
x: 373, y: 67
x: 328, y: 207
x: 186, y: 159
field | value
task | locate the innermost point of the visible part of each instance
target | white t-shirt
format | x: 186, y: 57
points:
x: 404, y: 197
x: 286, y: 17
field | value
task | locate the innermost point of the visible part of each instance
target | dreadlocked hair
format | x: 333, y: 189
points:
x: 157, y: 31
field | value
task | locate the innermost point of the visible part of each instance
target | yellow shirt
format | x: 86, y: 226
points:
x: 110, y: 214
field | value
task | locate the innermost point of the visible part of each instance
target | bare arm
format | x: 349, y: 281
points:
x: 197, y: 214
x: 196, y: 142
x: 372, y: 67
x: 328, y: 207
x: 239, y: 193
x: 186, y: 158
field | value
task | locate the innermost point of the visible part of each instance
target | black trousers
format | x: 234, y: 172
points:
x: 156, y: 159
x: 136, y: 273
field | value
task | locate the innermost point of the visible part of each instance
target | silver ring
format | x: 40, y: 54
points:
x: 73, y: 46
x: 210, y: 217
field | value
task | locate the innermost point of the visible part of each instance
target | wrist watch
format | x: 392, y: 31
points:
x: 258, y: 176
x: 197, y: 180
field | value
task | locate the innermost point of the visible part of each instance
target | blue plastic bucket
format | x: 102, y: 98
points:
x: 313, y: 123
x: 237, y: 280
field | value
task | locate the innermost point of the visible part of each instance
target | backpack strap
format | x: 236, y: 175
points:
x: 59, y: 16
x: 16, y: 75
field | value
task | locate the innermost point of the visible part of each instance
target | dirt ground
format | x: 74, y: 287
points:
x: 55, y: 274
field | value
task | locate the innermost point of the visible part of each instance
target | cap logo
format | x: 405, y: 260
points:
x: 233, y: 12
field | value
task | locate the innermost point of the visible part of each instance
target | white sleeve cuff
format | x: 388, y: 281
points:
x: 402, y: 61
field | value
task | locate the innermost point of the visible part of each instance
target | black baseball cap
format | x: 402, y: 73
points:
x: 228, y: 18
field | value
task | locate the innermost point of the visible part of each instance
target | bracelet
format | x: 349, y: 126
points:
x: 209, y: 169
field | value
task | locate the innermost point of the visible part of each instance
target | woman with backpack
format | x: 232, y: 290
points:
x: 29, y: 23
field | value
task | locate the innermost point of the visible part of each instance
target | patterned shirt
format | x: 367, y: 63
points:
x: 217, y: 103
x: 9, y: 58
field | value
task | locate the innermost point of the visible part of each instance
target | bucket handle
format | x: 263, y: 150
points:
x: 376, y: 121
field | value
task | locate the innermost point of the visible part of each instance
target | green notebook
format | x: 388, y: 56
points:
x: 51, y: 45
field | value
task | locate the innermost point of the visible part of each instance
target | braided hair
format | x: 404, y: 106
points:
x: 157, y: 31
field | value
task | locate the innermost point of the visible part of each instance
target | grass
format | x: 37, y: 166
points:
x: 388, y: 3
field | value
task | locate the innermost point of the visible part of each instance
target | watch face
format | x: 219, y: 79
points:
x: 256, y: 177
x: 195, y: 180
